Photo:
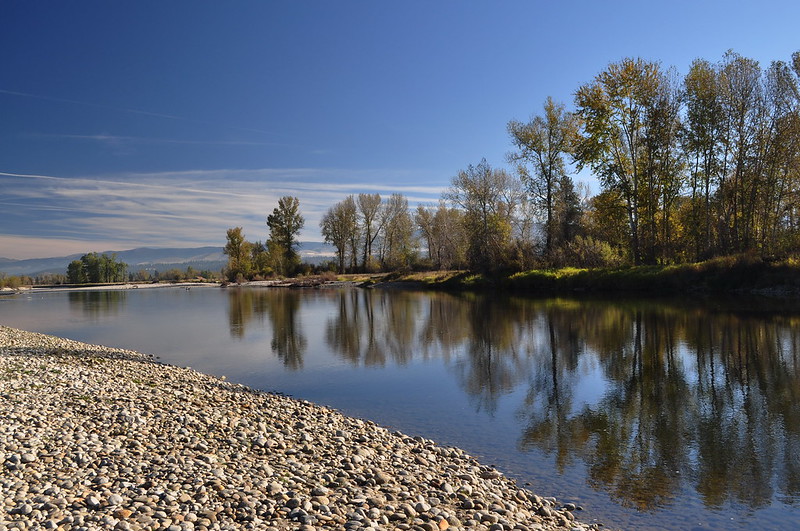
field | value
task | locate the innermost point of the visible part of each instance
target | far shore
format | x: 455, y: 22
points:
x: 105, y: 287
x: 736, y: 274
x: 123, y: 286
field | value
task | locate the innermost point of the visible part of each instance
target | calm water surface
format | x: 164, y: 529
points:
x: 651, y: 414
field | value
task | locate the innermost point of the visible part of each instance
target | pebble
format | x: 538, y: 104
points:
x: 100, y: 438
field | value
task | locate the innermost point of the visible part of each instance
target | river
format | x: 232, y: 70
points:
x: 649, y: 413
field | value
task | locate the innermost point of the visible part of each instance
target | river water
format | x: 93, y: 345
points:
x: 649, y: 413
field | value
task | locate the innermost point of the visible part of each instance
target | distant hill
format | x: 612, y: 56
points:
x: 317, y: 252
x: 150, y: 258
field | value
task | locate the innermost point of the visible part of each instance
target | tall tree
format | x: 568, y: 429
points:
x: 96, y: 268
x: 76, y: 274
x: 741, y: 100
x: 339, y: 227
x: 285, y: 224
x: 261, y: 264
x: 701, y: 143
x: 568, y: 212
x: 369, y: 206
x: 542, y: 143
x: 613, y: 109
x: 663, y: 168
x: 780, y: 148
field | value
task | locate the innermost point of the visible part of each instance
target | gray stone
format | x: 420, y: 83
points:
x: 92, y: 502
x: 115, y: 499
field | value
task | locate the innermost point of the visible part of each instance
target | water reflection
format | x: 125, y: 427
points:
x: 373, y: 328
x: 280, y: 307
x: 692, y: 399
x: 97, y: 304
x: 370, y: 328
x: 494, y: 361
x: 651, y: 397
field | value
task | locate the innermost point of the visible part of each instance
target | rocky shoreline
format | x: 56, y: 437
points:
x: 100, y: 438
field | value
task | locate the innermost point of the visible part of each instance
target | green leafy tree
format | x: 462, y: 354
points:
x: 239, y: 255
x: 76, y: 274
x: 96, y: 269
x: 285, y: 224
x: 613, y: 109
x: 263, y: 265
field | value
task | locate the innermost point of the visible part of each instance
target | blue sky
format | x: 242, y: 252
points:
x: 128, y: 124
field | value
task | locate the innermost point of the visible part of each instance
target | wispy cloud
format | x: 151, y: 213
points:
x: 88, y: 104
x: 130, y: 110
x: 184, y: 208
x: 116, y: 140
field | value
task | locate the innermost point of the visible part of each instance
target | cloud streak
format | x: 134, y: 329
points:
x: 128, y: 110
x: 186, y: 208
x: 116, y: 140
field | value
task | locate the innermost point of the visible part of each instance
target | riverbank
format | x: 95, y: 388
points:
x: 303, y: 282
x: 740, y: 274
x: 102, y: 438
x: 121, y: 286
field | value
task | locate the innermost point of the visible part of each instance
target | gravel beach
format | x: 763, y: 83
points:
x: 93, y: 437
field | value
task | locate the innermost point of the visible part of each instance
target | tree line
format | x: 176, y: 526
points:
x: 703, y: 166
x: 93, y: 268
x: 690, y: 168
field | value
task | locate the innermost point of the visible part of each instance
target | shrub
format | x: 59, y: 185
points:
x: 328, y: 276
x: 586, y: 252
x: 589, y: 252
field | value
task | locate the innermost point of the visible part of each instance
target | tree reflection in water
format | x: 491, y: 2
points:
x: 692, y: 398
x: 281, y: 307
x: 494, y: 362
x: 98, y: 303
x: 373, y: 327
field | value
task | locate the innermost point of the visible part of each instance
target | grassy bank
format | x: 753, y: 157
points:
x: 728, y: 274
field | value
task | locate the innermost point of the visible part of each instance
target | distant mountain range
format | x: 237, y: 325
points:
x: 148, y: 258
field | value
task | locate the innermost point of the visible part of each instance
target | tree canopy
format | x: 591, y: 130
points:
x: 93, y: 268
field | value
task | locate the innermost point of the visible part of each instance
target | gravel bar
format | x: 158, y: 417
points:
x: 93, y: 437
